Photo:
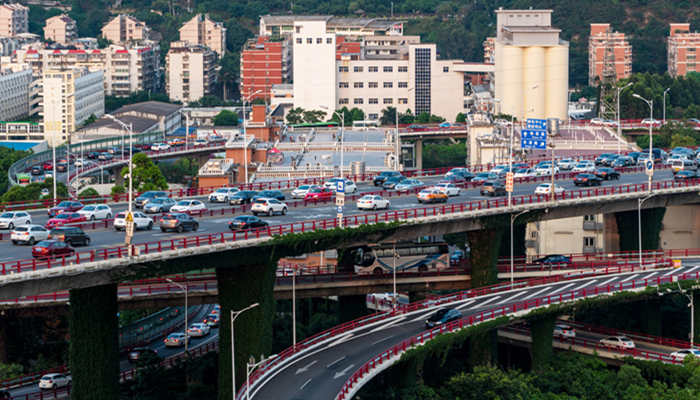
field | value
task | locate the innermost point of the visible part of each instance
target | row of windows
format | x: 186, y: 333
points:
x: 311, y: 41
x: 386, y: 68
x: 371, y: 100
x: 372, y: 85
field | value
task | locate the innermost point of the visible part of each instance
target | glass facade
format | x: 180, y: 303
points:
x: 422, y: 91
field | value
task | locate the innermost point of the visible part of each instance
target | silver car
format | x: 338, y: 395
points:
x: 222, y: 195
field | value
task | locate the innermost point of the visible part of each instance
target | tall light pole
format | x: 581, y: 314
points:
x: 234, y: 315
x: 619, y: 126
x: 641, y: 201
x: 250, y: 367
x: 551, y: 145
x: 294, y: 307
x: 129, y: 232
x: 245, y: 141
x: 395, y: 298
x: 512, y: 219
x: 664, y: 116
x: 398, y: 146
x: 650, y: 103
x: 341, y: 117
x: 53, y: 150
x: 187, y: 334
x: 692, y: 313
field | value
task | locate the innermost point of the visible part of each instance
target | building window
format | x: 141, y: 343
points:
x: 422, y: 88
x: 588, y: 241
x: 373, y: 100
x: 373, y: 85
x: 309, y: 41
x: 343, y: 85
x: 343, y: 69
x: 445, y: 69
x: 319, y: 40
x: 357, y: 101
x: 589, y: 217
x: 298, y: 40
x: 357, y: 69
x: 329, y: 40
x: 403, y: 100
x: 373, y: 68
x: 358, y: 85
x: 388, y: 100
x: 298, y: 29
x: 388, y: 85
x: 388, y: 68
x: 403, y: 85
x: 403, y: 68
x: 373, y: 117
x: 344, y: 100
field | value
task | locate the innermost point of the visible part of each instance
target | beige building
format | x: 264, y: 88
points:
x: 609, y: 55
x: 14, y: 93
x: 683, y: 49
x: 190, y: 71
x: 70, y: 96
x: 61, y: 29
x: 283, y: 25
x: 531, y: 65
x: 124, y: 29
x: 14, y: 19
x: 204, y: 31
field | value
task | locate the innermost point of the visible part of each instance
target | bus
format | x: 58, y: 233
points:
x: 365, y: 124
x: 328, y: 124
x: 24, y: 179
x: 410, y: 257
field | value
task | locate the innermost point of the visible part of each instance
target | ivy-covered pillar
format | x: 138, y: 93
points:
x: 240, y: 286
x: 351, y: 307
x: 94, y: 343
x: 628, y: 228
x: 484, y: 247
x: 541, y: 330
x: 4, y: 326
x: 696, y: 302
x: 483, y: 348
x: 651, y: 323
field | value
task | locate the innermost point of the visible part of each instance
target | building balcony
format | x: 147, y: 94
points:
x: 592, y: 226
x: 591, y: 249
x: 531, y: 244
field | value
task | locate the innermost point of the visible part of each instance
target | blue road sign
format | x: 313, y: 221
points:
x: 340, y: 209
x: 534, y: 134
x: 533, y: 123
x: 340, y: 186
x: 538, y: 144
x: 649, y: 165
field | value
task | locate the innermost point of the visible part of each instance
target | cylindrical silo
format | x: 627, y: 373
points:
x: 534, y: 81
x: 510, y: 59
x: 557, y: 71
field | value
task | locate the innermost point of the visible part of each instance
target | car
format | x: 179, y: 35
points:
x: 680, y: 355
x: 492, y: 188
x: 618, y: 342
x: 146, y: 196
x: 651, y: 121
x: 685, y: 174
x: 37, y: 170
x: 583, y: 166
x: 443, y: 316
x: 10, y: 219
x: 450, y: 189
x: 566, y: 164
x: 61, y: 167
x: 47, y: 165
x: 198, y: 330
x: 96, y: 211
x: 212, y: 319
x: 564, y: 331
x: 270, y: 194
x: 456, y: 258
x: 243, y: 222
x: 607, y: 173
x: 524, y: 173
x: 54, y: 381
x: 605, y: 159
x: 392, y: 182
x: 64, y: 218
x: 587, y: 180
x: 383, y: 176
x: 268, y: 206
x: 372, y: 202
x: 445, y: 125
x: 597, y: 121
x: 29, y: 234
x: 222, y: 195
x: 160, y: 146
x: 350, y: 186
x: 546, y: 188
x: 178, y: 222
x: 409, y: 184
x: 483, y: 176
x: 302, y: 190
x: 79, y: 162
x: 114, y: 150
x: 65, y: 206
x: 463, y: 172
x: 242, y: 197
x: 318, y: 194
x: 189, y: 206
x: 454, y: 178
x: 104, y: 156
x: 141, y: 221
x: 52, y: 249
x: 176, y: 142
x: 158, y: 205
x: 93, y: 155
x: 71, y: 235
x: 142, y: 355
x: 623, y: 161
x: 684, y: 165
x: 431, y: 195
x: 545, y: 169
x: 200, y: 143
x: 552, y: 259
x: 176, y: 339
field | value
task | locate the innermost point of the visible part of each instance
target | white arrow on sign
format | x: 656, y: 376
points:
x: 343, y: 372
x: 302, y: 370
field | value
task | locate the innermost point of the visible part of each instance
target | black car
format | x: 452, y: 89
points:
x: 684, y: 174
x: 600, y: 160
x: 246, y: 222
x: 242, y: 197
x: 384, y: 175
x: 553, y: 259
x: 61, y: 167
x: 587, y: 180
x: 391, y: 183
x: 37, y: 170
x: 607, y: 173
x: 71, y: 235
x: 143, y: 355
x: 178, y: 222
x: 146, y: 196
x: 270, y: 194
x: 5, y: 395
x: 104, y: 156
x: 93, y: 155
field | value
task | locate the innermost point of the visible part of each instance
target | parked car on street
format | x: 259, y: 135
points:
x: 268, y: 206
x: 96, y: 211
x: 178, y: 222
x: 10, y: 219
x: 51, y: 249
x: 29, y: 234
x: 243, y: 222
x: 372, y: 202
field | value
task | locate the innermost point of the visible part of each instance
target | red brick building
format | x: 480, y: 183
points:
x: 609, y: 54
x: 264, y: 62
x: 683, y: 49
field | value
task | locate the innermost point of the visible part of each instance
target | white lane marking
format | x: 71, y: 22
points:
x: 306, y: 368
x: 336, y: 361
x: 381, y: 327
x: 669, y: 272
x: 562, y: 288
x: 465, y: 304
x: 381, y: 340
x: 647, y: 276
x: 507, y: 299
x: 584, y: 285
x: 692, y: 269
x: 630, y: 277
x: 420, y: 317
x: 607, y: 281
x: 536, y: 293
x: 343, y: 372
x: 304, y: 385
x: 484, y: 303
x: 341, y: 339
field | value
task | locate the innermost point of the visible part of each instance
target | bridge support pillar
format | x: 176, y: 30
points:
x: 419, y: 154
x: 118, y: 178
x: 483, y: 348
x: 239, y: 287
x: 4, y: 326
x: 696, y: 302
x: 652, y: 317
x: 94, y: 343
x: 628, y: 229
x: 484, y: 248
x: 541, y: 330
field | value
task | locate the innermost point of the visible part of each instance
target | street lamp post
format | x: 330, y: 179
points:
x: 664, y: 115
x: 395, y: 298
x: 294, y: 307
x: 250, y: 366
x: 619, y: 127
x: 641, y: 201
x: 692, y: 313
x: 187, y: 334
x: 341, y: 117
x: 129, y: 233
x: 650, y: 103
x: 234, y: 315
x: 246, y: 99
x: 551, y: 145
x: 512, y: 220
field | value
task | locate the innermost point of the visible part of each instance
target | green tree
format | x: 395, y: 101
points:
x: 7, y: 158
x: 33, y: 191
x: 461, y: 118
x: 229, y: 73
x: 89, y: 192
x: 357, y: 115
x: 423, y: 118
x: 295, y: 116
x: 176, y: 172
x: 444, y: 154
x: 682, y: 140
x: 388, y: 116
x: 407, y: 117
x: 225, y: 118
x: 313, y: 116
x: 147, y: 176
x: 118, y: 189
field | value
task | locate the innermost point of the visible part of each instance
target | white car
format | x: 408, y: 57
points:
x: 524, y: 173
x: 566, y: 164
x: 449, y: 189
x: 618, y: 342
x: 223, y: 195
x: 176, y: 339
x: 563, y: 330
x: 681, y: 354
x: 268, y: 207
x: 141, y: 221
x: 96, y: 211
x: 543, y: 170
x: 651, y: 121
x: 545, y: 188
x: 597, y: 121
x: 584, y: 166
x: 188, y: 206
x: 198, y: 330
x: 10, y: 219
x: 301, y: 191
x: 29, y: 234
x: 350, y: 186
x: 79, y: 162
x: 54, y: 381
x: 160, y: 146
x: 372, y: 202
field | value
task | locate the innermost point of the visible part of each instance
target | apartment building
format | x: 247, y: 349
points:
x: 14, y: 19
x: 609, y: 55
x: 14, y: 93
x: 283, y: 25
x: 70, y: 96
x: 204, y: 31
x: 190, y: 71
x: 61, y: 29
x: 124, y: 29
x: 683, y: 49
x: 264, y: 62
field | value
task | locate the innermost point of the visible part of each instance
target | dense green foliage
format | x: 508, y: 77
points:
x: 33, y: 191
x: 89, y: 192
x: 298, y: 115
x: 682, y: 100
x: 437, y: 154
x: 627, y: 225
x: 180, y: 171
x: 349, y: 115
x: 7, y: 158
x: 671, y: 135
x: 225, y: 118
x: 147, y: 176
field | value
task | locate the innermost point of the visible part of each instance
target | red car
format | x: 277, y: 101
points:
x: 65, y: 206
x: 47, y: 165
x: 65, y: 218
x: 51, y: 249
x: 319, y: 193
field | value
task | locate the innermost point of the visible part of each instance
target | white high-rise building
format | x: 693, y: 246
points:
x: 190, y: 71
x: 314, y: 66
x: 14, y: 93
